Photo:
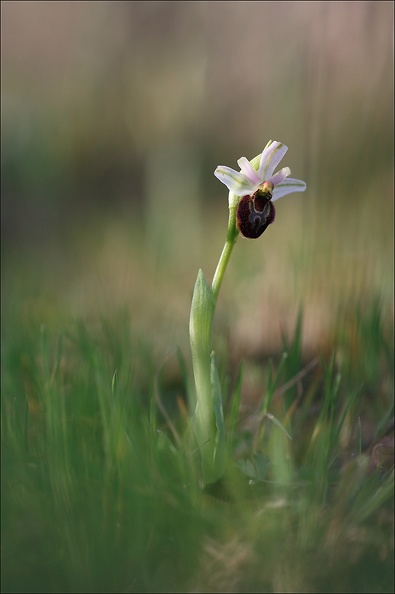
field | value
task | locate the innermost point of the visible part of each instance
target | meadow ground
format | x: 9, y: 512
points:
x: 101, y: 481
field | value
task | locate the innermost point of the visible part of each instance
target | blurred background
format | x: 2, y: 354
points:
x: 114, y: 118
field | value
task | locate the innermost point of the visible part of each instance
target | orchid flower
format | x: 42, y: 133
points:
x: 254, y: 189
x: 254, y: 174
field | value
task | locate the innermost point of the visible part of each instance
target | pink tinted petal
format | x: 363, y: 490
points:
x: 280, y: 176
x: 288, y: 186
x: 255, y: 162
x: 236, y: 182
x: 270, y: 159
x: 248, y: 170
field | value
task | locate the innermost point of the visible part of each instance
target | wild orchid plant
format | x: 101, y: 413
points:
x: 252, y: 191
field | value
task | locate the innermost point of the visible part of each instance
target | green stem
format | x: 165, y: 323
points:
x: 231, y: 239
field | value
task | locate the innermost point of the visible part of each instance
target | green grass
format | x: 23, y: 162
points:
x: 101, y: 480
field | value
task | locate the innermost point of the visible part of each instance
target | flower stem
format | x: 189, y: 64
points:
x: 231, y: 239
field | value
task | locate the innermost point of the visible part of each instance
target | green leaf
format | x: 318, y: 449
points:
x: 202, y: 310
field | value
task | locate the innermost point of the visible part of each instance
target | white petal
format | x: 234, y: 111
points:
x: 248, y: 170
x: 280, y: 176
x: 235, y: 181
x: 270, y: 159
x: 288, y: 186
x: 256, y: 160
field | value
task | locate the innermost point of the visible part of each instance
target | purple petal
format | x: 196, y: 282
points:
x: 235, y: 181
x: 248, y: 170
x: 280, y: 176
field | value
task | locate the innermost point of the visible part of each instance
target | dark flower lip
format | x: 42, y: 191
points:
x: 254, y: 214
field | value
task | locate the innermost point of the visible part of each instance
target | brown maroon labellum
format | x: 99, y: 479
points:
x: 254, y: 213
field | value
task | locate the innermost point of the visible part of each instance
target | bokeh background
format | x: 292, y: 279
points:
x: 114, y: 118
